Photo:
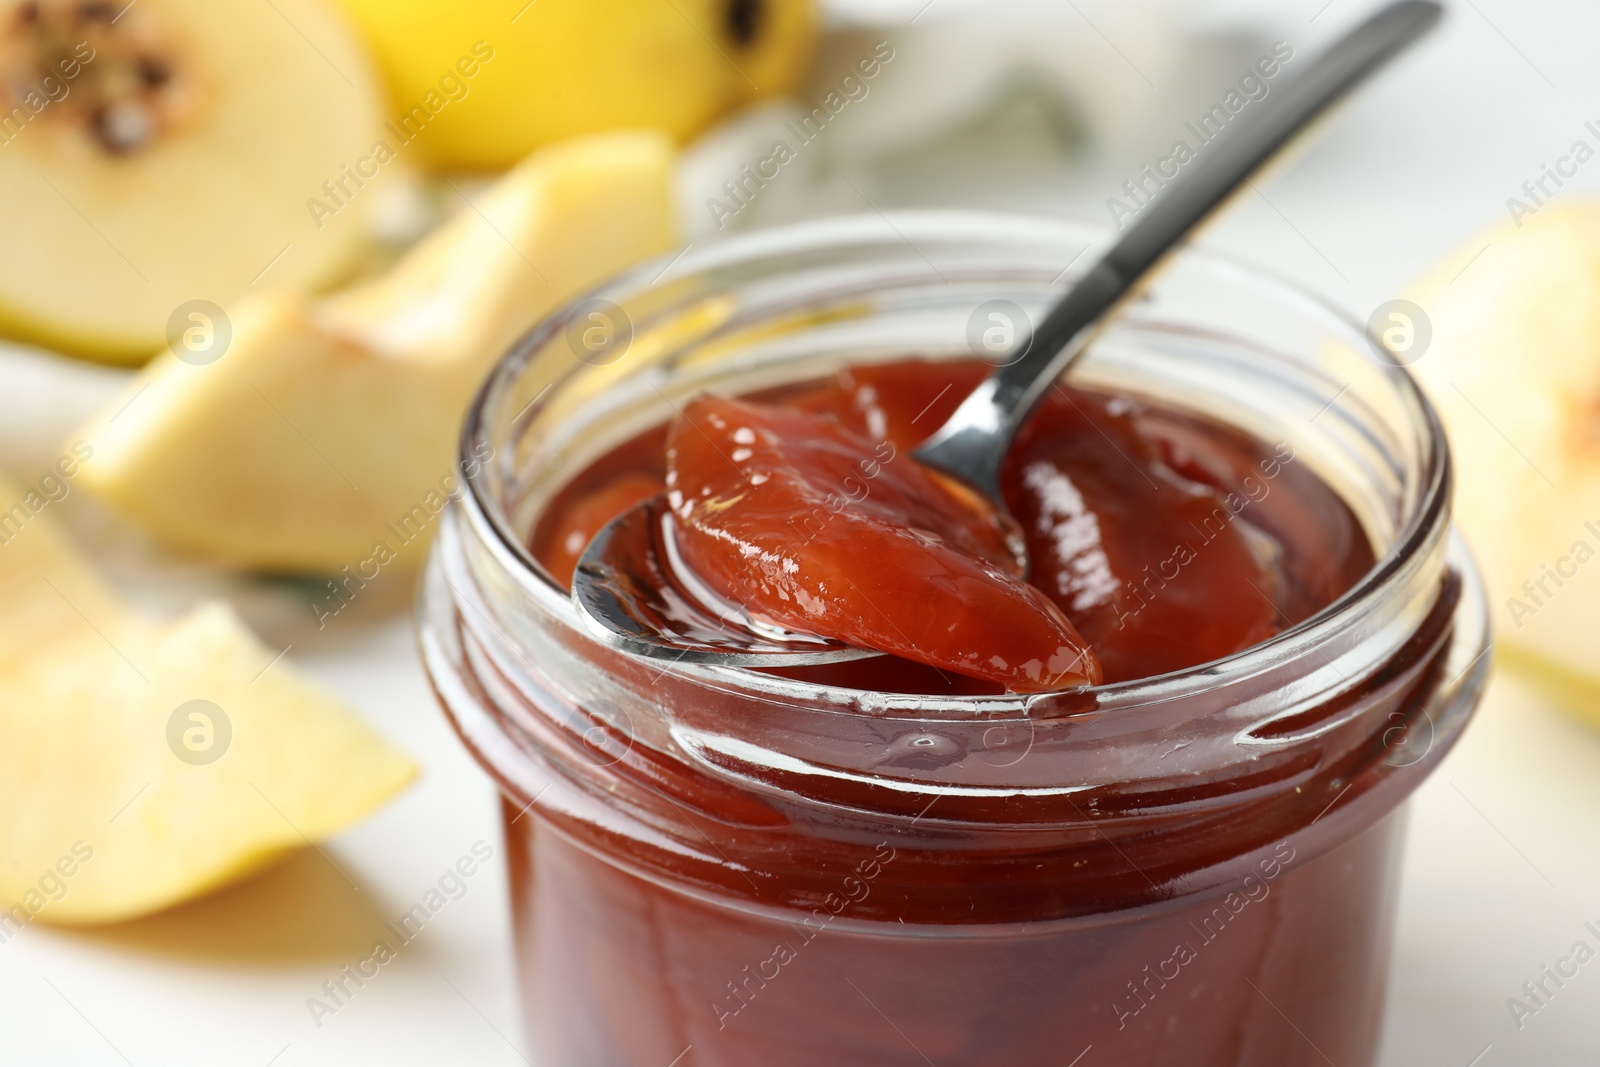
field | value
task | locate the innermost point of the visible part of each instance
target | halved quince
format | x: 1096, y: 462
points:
x: 143, y: 762
x: 168, y: 151
x: 328, y: 423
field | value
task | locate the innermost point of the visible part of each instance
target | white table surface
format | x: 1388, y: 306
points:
x: 1503, y: 864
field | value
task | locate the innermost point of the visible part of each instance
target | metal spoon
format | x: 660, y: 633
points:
x: 635, y: 598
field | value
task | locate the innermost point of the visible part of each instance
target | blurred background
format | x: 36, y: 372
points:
x: 316, y: 217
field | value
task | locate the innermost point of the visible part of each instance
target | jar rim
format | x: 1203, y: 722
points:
x: 1427, y: 502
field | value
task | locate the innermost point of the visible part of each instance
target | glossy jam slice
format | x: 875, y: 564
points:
x: 813, y: 527
x: 1159, y: 571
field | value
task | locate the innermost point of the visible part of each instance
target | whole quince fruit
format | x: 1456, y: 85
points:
x: 481, y: 83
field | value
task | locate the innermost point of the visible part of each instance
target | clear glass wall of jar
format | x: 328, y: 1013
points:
x: 719, y: 868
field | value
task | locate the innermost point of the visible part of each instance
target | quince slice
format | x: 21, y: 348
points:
x: 1514, y: 368
x: 328, y: 423
x: 142, y: 763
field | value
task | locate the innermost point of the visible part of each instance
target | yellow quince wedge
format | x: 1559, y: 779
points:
x: 1514, y: 368
x: 295, y: 445
x: 144, y: 762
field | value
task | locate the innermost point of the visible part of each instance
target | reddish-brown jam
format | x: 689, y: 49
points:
x: 1158, y: 540
x: 772, y: 883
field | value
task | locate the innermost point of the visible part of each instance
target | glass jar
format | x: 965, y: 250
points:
x: 717, y: 867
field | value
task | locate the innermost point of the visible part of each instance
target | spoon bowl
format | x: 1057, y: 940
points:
x: 638, y: 598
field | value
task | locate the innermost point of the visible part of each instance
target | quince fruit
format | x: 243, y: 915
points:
x: 480, y: 83
x: 328, y: 426
x: 161, y: 153
x: 1514, y: 369
x: 142, y: 762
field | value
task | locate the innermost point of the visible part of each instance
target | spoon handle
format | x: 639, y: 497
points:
x: 974, y: 440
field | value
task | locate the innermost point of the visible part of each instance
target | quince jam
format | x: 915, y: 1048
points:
x: 710, y: 870
x: 1157, y: 540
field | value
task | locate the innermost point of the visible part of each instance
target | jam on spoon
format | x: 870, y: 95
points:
x: 814, y: 528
